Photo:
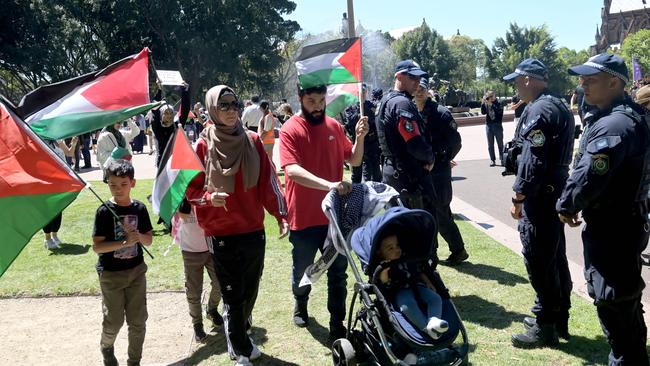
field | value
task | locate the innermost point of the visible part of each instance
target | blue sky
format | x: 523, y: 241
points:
x: 571, y: 22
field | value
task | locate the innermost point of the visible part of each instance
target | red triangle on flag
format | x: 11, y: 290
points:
x: 27, y: 166
x: 351, y: 59
x: 183, y: 157
x: 122, y: 87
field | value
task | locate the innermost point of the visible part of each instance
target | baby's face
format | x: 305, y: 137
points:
x: 389, y: 249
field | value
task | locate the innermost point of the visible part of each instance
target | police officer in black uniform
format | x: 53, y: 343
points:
x: 546, y: 133
x: 407, y: 156
x: 441, y: 132
x: 610, y: 184
x: 370, y: 168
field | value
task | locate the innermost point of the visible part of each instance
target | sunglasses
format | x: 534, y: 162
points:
x: 225, y: 106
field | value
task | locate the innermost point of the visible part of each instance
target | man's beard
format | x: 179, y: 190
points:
x: 313, y: 120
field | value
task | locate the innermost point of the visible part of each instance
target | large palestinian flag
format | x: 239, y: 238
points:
x: 333, y: 62
x: 91, y: 101
x: 35, y: 185
x: 339, y: 97
x: 178, y: 166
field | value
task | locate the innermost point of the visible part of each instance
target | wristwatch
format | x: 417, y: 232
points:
x: 516, y: 201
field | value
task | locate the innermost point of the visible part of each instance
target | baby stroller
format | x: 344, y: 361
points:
x: 377, y: 333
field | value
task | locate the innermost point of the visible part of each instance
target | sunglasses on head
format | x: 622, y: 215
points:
x: 224, y: 106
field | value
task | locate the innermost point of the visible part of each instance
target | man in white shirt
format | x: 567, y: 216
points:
x: 252, y: 114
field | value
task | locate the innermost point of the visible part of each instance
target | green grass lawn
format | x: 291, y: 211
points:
x: 491, y: 292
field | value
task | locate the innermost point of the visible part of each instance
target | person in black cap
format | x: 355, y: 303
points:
x: 370, y: 169
x: 407, y: 156
x: 610, y: 184
x: 441, y: 132
x: 545, y: 131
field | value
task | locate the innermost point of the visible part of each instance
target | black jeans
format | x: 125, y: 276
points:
x: 544, y: 251
x: 306, y: 243
x: 494, y: 132
x: 54, y: 225
x: 238, y: 264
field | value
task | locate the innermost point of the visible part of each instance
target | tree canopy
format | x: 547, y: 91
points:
x: 637, y: 45
x: 235, y: 42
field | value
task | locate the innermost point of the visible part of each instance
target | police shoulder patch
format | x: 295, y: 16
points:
x: 599, y: 164
x: 537, y: 138
x: 406, y: 114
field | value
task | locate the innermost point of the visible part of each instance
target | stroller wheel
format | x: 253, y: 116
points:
x: 343, y: 353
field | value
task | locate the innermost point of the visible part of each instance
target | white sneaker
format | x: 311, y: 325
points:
x: 56, y: 241
x: 255, y: 353
x: 436, y: 326
x: 243, y: 361
x: 50, y: 244
x: 410, y: 359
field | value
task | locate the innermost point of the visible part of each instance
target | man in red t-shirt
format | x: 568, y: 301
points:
x: 313, y: 148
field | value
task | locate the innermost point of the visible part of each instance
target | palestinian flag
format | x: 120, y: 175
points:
x: 91, y: 101
x: 333, y: 62
x: 35, y: 185
x: 178, y: 166
x: 339, y: 97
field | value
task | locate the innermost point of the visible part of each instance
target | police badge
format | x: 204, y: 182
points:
x: 537, y: 138
x: 600, y: 164
x: 408, y: 126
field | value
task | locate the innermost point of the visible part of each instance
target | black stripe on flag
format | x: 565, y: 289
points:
x: 334, y: 46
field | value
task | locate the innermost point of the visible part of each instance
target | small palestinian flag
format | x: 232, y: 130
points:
x: 36, y: 185
x: 178, y: 166
x: 339, y: 97
x: 91, y: 101
x: 333, y: 62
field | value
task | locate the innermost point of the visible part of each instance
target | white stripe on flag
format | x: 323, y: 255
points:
x: 162, y: 184
x: 320, y: 62
x: 73, y: 102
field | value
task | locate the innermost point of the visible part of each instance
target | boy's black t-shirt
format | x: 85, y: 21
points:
x: 106, y: 225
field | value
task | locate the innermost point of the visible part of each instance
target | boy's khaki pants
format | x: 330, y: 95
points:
x: 124, y: 294
x: 194, y: 264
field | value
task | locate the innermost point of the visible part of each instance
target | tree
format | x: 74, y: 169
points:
x: 470, y: 55
x: 425, y: 46
x: 217, y: 42
x: 637, y: 45
x: 521, y: 43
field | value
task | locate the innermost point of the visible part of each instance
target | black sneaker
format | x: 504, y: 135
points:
x: 562, y: 327
x: 108, y: 354
x: 300, y: 315
x: 536, y: 337
x: 337, y: 330
x: 216, y: 318
x: 457, y: 258
x: 492, y: 163
x: 199, y: 333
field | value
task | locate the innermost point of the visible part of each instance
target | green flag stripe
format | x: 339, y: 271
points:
x: 174, y: 195
x: 339, y: 104
x: 74, y: 124
x: 338, y: 75
x: 23, y: 216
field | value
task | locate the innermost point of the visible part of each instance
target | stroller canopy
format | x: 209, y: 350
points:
x: 415, y: 230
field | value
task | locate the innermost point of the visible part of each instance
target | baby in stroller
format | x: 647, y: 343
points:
x: 408, y: 289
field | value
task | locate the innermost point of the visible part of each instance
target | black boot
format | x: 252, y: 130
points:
x: 536, y: 336
x: 337, y: 330
x: 199, y: 333
x: 562, y: 327
x: 217, y: 319
x: 300, y: 315
x: 108, y: 354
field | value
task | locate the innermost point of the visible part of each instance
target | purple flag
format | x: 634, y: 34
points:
x: 636, y: 73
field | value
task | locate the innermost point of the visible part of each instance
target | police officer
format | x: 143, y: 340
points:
x: 407, y: 156
x: 546, y: 133
x: 441, y: 132
x: 610, y: 185
x: 370, y: 168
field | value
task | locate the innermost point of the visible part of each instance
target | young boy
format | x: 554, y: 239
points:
x: 121, y: 266
x: 196, y: 257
